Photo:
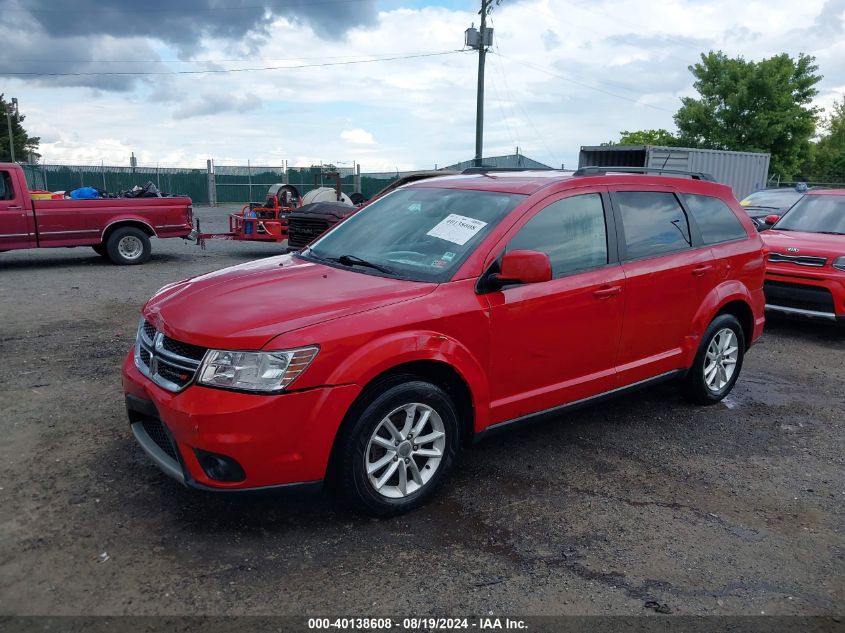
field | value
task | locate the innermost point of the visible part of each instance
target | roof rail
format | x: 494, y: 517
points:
x: 600, y: 171
x: 484, y: 170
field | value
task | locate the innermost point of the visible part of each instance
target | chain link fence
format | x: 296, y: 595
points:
x: 216, y: 184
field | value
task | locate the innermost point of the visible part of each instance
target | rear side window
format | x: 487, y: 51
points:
x: 570, y: 231
x: 654, y: 223
x: 714, y: 218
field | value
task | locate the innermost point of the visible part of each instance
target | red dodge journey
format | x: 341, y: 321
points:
x: 448, y: 309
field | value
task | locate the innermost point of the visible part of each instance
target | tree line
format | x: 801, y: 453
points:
x: 763, y: 106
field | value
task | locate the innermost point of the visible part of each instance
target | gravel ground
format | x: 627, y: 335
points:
x: 732, y: 509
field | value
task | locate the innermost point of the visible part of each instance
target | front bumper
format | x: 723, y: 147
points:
x: 815, y: 293
x: 278, y: 440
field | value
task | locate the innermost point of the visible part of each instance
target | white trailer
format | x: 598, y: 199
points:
x: 744, y: 172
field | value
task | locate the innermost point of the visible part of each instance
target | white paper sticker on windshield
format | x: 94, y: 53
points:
x: 457, y: 229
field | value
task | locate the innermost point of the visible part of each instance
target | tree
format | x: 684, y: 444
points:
x: 648, y: 137
x: 645, y: 137
x: 753, y: 106
x: 828, y: 161
x: 24, y: 143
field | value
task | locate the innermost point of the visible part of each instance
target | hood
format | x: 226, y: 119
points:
x: 820, y: 244
x: 245, y: 306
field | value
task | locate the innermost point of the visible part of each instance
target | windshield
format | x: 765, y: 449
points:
x: 422, y: 234
x: 773, y: 199
x: 816, y: 214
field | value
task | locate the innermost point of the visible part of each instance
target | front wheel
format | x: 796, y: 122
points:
x: 717, y: 363
x: 128, y: 246
x: 400, y: 448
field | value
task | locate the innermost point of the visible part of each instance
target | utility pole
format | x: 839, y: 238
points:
x: 480, y: 40
x: 12, y: 103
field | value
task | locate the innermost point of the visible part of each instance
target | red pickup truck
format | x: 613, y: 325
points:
x: 117, y: 228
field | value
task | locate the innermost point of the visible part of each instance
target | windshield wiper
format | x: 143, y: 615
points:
x: 829, y: 232
x: 354, y: 260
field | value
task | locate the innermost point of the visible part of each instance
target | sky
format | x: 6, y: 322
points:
x: 383, y: 83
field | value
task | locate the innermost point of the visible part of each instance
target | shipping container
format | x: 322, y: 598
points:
x: 744, y: 172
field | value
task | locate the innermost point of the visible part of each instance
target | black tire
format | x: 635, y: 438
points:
x: 101, y: 250
x: 122, y: 255
x: 694, y: 386
x: 367, y: 418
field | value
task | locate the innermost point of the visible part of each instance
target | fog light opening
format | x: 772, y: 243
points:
x: 219, y: 467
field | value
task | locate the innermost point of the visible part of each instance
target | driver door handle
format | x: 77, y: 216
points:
x: 699, y: 271
x: 607, y: 291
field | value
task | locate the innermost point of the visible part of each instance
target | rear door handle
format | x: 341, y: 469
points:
x: 609, y: 291
x: 699, y: 271
x: 16, y: 207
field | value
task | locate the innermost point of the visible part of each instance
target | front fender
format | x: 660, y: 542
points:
x: 387, y: 352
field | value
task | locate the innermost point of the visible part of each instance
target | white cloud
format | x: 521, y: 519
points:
x: 614, y: 65
x: 357, y: 136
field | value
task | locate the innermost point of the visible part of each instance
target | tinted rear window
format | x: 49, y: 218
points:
x: 714, y: 218
x: 654, y: 223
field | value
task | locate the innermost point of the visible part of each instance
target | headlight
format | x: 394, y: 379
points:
x: 839, y: 263
x: 254, y: 371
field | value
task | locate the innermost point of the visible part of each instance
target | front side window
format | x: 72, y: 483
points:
x: 654, y: 223
x: 714, y: 218
x: 570, y: 231
x: 816, y: 214
x: 419, y: 233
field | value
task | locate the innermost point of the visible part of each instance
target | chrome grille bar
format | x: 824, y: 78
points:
x: 800, y: 260
x: 160, y: 364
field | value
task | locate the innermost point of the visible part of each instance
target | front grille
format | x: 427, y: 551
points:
x: 303, y: 230
x: 800, y: 296
x: 183, y: 349
x: 161, y: 436
x: 167, y: 362
x: 800, y: 260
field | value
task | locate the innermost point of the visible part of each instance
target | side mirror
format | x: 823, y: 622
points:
x: 524, y: 267
x: 771, y: 219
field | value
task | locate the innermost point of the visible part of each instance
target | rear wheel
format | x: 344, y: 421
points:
x: 128, y: 246
x: 717, y: 363
x: 400, y: 448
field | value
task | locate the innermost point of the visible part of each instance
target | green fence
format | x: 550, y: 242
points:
x: 232, y: 184
x: 169, y: 180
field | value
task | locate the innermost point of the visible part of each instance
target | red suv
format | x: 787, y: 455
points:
x: 805, y: 274
x: 448, y: 309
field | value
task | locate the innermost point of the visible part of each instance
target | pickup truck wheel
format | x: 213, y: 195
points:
x: 128, y: 246
x: 718, y: 362
x: 101, y: 250
x: 400, y: 449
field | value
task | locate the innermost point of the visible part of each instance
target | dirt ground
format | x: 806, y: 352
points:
x: 733, y: 509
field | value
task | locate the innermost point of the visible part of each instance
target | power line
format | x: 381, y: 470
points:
x: 583, y: 85
x: 182, y: 61
x: 180, y: 8
x: 230, y: 70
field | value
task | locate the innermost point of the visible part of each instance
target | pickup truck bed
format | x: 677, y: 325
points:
x: 118, y: 228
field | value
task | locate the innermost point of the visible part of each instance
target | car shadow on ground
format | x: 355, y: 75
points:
x: 807, y: 329
x: 510, y: 450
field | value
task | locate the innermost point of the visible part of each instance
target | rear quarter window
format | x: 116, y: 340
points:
x: 716, y: 221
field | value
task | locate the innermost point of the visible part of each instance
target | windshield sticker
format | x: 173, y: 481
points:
x: 448, y: 256
x: 457, y: 229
